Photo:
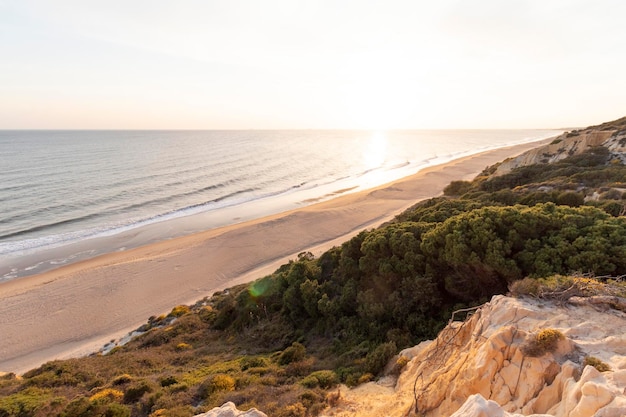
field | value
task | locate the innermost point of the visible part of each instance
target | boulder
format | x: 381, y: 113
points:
x: 230, y: 410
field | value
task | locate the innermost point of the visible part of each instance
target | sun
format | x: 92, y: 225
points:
x: 377, y: 95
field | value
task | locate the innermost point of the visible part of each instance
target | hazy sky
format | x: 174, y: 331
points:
x: 232, y: 64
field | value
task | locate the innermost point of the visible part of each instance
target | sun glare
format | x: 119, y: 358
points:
x: 374, y: 154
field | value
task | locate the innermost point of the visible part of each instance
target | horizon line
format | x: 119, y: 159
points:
x: 279, y: 129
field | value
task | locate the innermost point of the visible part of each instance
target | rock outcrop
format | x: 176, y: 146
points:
x: 230, y: 410
x: 565, y: 145
x: 611, y: 135
x: 485, y: 367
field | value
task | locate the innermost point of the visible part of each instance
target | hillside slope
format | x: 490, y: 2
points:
x: 482, y: 367
x: 282, y: 343
x: 611, y: 135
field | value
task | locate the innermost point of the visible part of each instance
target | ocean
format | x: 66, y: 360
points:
x: 61, y: 190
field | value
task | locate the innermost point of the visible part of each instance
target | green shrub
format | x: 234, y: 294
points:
x: 300, y: 368
x: 23, y: 404
x: 216, y: 383
x: 549, y: 338
x: 596, y: 363
x: 542, y: 342
x: 168, y: 380
x: 107, y: 395
x: 292, y: 410
x: 261, y: 370
x: 137, y: 390
x: 309, y: 382
x: 82, y: 407
x: 326, y: 378
x: 365, y: 378
x: 177, y: 411
x: 570, y: 198
x: 376, y: 360
x: 611, y: 194
x: 456, y: 188
x: 180, y: 310
x: 121, y: 379
x: 554, y: 287
x: 323, y: 379
x: 400, y: 364
x: 269, y: 380
x: 207, y: 314
x: 526, y: 286
x: 294, y: 353
x: 253, y: 362
x: 310, y: 397
x: 115, y: 410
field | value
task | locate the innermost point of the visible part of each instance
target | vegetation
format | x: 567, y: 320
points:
x: 545, y: 341
x: 596, y: 363
x: 281, y: 342
x: 561, y: 287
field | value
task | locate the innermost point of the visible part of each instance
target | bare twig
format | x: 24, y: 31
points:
x: 436, y: 357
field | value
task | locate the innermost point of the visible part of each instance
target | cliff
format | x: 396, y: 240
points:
x: 611, y: 135
x: 484, y: 366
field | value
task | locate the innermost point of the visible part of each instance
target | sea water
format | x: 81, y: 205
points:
x: 58, y: 188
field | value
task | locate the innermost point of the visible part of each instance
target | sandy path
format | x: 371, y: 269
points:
x: 78, y: 308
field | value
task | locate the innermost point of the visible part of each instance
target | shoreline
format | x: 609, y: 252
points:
x: 40, y: 255
x: 75, y: 309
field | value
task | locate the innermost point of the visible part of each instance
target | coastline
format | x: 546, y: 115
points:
x: 76, y: 309
x: 47, y: 250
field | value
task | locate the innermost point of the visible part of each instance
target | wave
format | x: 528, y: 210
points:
x: 54, y: 240
x: 48, y: 226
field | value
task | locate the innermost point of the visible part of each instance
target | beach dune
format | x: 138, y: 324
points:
x: 76, y: 309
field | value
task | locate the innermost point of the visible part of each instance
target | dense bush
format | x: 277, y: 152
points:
x: 216, y: 383
x: 457, y: 188
x: 324, y: 379
x: 294, y: 353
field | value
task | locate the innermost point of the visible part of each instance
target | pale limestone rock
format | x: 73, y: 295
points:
x: 230, y: 410
x: 620, y: 377
x: 479, y: 365
x: 554, y: 152
x: 619, y: 362
x: 477, y: 406
x: 617, y: 144
x: 553, y: 393
x: 611, y: 412
x: 594, y: 397
x: 412, y: 352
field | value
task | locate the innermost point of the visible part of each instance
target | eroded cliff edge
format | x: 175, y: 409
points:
x: 482, y: 367
x: 611, y: 135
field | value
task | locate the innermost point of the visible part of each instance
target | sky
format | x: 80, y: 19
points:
x: 285, y: 64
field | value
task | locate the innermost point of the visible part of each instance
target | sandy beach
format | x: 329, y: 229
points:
x: 77, y: 309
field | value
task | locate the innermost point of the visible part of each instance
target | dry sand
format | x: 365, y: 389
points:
x: 76, y: 309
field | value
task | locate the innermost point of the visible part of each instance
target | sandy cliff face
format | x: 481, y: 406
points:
x: 565, y: 145
x: 617, y: 145
x: 482, y: 367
